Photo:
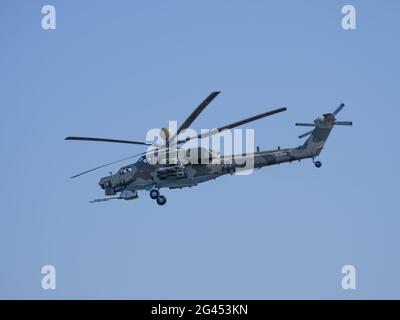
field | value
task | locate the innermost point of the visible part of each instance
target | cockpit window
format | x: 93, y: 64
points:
x: 142, y: 159
x: 125, y: 170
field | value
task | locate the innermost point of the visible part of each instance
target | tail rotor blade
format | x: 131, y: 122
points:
x: 301, y: 124
x: 338, y: 109
x: 344, y: 123
x: 306, y: 134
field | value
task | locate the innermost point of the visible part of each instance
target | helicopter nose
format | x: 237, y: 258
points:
x: 105, y: 182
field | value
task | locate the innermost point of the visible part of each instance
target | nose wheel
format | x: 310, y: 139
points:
x: 318, y: 164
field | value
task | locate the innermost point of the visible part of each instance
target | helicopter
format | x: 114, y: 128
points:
x: 161, y: 167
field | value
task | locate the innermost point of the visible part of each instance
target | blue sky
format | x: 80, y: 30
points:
x: 119, y: 68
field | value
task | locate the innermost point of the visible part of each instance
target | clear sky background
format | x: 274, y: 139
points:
x: 119, y: 68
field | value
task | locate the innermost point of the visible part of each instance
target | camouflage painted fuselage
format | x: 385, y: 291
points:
x: 144, y: 176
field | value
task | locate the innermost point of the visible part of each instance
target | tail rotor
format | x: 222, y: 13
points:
x: 327, y: 121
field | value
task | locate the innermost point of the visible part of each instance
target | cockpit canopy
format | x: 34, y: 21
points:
x: 142, y: 159
x: 125, y: 170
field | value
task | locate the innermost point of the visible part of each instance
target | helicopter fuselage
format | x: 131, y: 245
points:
x: 145, y: 176
x: 171, y: 172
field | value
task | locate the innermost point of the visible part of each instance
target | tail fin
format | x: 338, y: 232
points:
x: 316, y: 141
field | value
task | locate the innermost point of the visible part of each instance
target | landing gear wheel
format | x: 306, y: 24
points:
x: 318, y: 164
x: 161, y: 200
x: 154, y: 194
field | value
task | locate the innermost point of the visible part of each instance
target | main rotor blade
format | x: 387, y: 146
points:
x: 305, y: 124
x: 107, y: 140
x: 186, y: 124
x: 107, y: 164
x: 338, y: 109
x: 306, y: 134
x: 235, y: 124
x: 344, y: 123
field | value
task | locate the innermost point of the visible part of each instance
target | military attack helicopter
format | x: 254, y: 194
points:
x: 201, y: 164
